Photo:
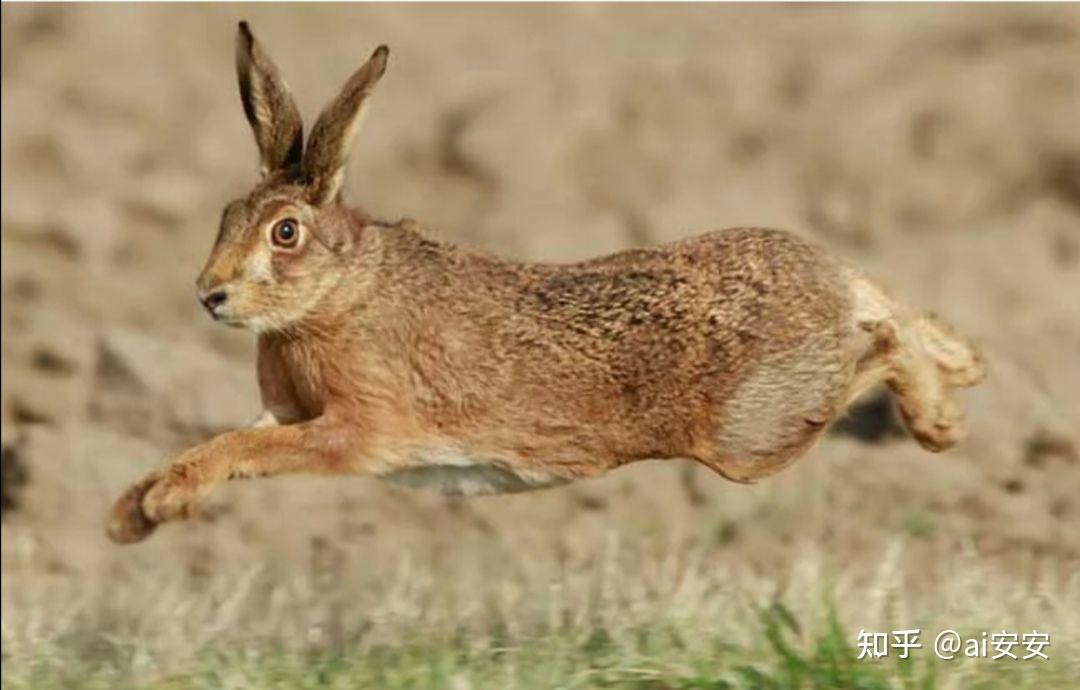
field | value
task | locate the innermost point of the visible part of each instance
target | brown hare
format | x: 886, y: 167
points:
x: 384, y: 351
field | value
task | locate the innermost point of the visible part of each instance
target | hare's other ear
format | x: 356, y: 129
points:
x: 333, y: 133
x: 268, y: 105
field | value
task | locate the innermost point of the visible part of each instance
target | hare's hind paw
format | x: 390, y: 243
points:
x: 936, y: 425
x: 961, y: 361
x: 127, y: 521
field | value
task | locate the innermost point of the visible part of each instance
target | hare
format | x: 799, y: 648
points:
x: 384, y: 351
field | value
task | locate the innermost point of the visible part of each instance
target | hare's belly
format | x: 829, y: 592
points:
x: 458, y: 473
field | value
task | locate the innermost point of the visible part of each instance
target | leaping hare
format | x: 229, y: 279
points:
x: 385, y: 351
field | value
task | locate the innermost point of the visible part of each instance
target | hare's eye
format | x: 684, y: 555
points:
x: 286, y: 233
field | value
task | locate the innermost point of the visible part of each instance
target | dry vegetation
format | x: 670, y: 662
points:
x: 936, y: 146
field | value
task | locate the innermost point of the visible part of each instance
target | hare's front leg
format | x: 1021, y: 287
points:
x: 320, y: 446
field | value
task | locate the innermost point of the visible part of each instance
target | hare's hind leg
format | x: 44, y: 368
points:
x: 929, y: 364
x: 922, y: 360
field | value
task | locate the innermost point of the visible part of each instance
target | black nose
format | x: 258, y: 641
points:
x: 213, y: 300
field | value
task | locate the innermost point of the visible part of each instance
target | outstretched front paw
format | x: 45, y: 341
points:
x: 127, y: 521
x: 159, y: 497
x: 174, y: 497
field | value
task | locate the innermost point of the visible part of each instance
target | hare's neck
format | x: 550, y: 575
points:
x: 399, y: 273
x: 418, y: 267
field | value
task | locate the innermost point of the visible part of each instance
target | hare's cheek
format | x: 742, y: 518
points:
x: 291, y: 268
x: 259, y: 267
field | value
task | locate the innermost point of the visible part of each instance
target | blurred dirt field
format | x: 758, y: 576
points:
x: 936, y: 146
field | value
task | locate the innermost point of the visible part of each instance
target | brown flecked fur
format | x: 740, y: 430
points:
x: 385, y: 351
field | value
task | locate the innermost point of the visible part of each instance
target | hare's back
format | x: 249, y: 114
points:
x: 770, y: 285
x: 718, y: 301
x: 696, y: 314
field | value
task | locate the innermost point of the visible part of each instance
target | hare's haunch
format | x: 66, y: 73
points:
x: 384, y: 351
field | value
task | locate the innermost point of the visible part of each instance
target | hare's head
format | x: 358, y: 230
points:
x: 280, y: 249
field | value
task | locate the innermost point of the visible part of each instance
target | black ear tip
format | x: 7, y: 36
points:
x: 382, y: 52
x: 245, y: 30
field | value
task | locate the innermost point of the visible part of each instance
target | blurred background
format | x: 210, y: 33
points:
x: 938, y: 147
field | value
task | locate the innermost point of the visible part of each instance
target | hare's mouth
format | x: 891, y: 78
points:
x: 223, y: 314
x: 257, y: 323
x: 227, y: 318
x: 221, y: 306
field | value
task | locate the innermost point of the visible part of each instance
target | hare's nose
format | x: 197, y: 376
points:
x: 213, y: 300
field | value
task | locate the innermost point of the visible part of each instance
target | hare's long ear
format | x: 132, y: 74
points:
x: 268, y: 105
x: 333, y: 133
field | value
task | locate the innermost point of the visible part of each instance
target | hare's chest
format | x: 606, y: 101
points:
x: 306, y: 373
x: 458, y: 473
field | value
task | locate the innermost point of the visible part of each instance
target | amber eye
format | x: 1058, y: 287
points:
x: 286, y: 233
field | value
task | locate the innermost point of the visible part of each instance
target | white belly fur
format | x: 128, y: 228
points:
x: 455, y: 473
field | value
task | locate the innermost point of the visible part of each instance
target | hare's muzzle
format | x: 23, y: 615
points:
x: 213, y: 300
